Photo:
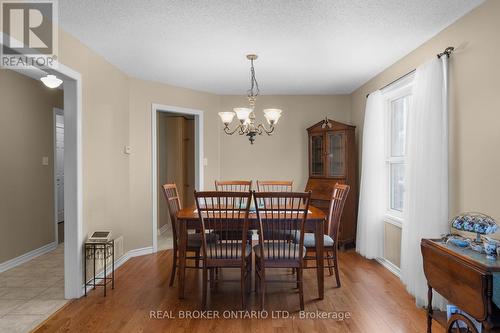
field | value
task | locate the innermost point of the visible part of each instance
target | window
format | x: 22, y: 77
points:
x: 398, y: 106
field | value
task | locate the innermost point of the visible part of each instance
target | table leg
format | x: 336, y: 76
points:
x: 85, y: 269
x: 105, y: 261
x: 429, y: 309
x: 94, y: 267
x: 113, y: 265
x: 318, y: 234
x: 181, y: 274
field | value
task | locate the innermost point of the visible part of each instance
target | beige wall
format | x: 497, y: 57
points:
x: 142, y: 94
x: 475, y: 105
x: 282, y: 156
x: 117, y: 112
x: 392, y: 243
x: 27, y: 219
x: 105, y: 132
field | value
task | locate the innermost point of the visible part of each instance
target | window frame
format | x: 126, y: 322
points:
x: 400, y: 89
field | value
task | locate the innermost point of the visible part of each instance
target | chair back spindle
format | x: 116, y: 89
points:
x: 337, y: 203
x: 233, y: 185
x: 274, y: 186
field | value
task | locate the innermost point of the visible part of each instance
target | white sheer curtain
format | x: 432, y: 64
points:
x: 426, y: 189
x: 372, y: 197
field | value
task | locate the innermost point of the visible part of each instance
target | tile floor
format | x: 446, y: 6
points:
x: 31, y: 292
x: 165, y: 241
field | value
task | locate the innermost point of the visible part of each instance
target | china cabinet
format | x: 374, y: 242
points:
x: 333, y: 159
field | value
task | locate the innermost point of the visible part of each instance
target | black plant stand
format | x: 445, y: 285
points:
x: 99, y: 251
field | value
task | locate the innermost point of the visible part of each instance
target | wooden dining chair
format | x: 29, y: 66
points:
x: 233, y: 185
x: 274, y: 185
x: 194, y: 240
x: 330, y: 240
x: 223, y: 213
x: 280, y: 214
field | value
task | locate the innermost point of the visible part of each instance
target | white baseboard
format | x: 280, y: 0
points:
x: 123, y: 259
x: 163, y: 229
x: 390, y: 266
x: 139, y: 252
x: 6, y: 265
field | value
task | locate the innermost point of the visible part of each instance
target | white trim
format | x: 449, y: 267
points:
x: 9, y: 264
x: 163, y: 229
x: 54, y: 161
x: 120, y: 261
x: 199, y: 144
x: 400, y: 89
x: 389, y: 266
x: 139, y: 252
x: 73, y: 183
x: 394, y: 220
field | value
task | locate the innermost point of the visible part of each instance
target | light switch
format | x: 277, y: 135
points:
x: 127, y: 150
x: 45, y: 160
x: 205, y: 162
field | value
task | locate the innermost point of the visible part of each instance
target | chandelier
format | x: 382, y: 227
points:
x: 246, y: 116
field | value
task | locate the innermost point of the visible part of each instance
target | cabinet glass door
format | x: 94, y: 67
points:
x: 336, y: 154
x: 317, y: 157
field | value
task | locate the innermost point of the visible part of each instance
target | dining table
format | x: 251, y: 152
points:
x: 188, y: 219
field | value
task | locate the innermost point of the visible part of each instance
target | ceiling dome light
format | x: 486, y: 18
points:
x: 51, y: 81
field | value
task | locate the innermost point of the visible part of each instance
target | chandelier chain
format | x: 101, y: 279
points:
x: 254, y: 85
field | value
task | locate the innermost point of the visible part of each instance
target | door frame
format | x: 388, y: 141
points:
x: 56, y: 111
x: 73, y: 190
x: 198, y: 149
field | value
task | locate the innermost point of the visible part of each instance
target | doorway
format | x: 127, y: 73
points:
x: 59, y: 173
x: 177, y: 151
x: 73, y: 212
x: 175, y: 164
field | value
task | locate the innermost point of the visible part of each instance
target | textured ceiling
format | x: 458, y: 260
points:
x: 304, y: 47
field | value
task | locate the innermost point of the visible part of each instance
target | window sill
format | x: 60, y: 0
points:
x: 394, y: 220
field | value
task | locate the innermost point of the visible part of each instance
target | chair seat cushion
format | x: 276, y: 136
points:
x: 221, y: 250
x: 194, y: 240
x: 281, y: 250
x: 310, y: 242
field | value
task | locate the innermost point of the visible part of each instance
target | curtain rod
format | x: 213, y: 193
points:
x: 446, y: 52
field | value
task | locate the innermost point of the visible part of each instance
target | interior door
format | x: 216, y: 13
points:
x: 59, y: 166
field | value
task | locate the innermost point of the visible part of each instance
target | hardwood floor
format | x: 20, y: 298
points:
x: 375, y: 299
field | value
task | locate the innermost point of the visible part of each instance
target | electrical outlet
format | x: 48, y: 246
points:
x: 127, y: 150
x: 45, y: 160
